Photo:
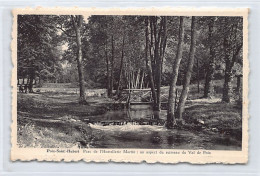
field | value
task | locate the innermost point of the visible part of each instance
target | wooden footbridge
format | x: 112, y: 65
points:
x: 138, y: 110
x: 136, y: 97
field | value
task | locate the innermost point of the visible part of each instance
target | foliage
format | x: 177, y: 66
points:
x: 38, y: 47
x: 113, y: 49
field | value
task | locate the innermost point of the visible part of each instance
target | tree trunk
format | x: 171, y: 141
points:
x: 121, y: 66
x: 229, y: 63
x: 112, y: 66
x: 108, y: 74
x: 127, y: 76
x: 32, y: 73
x: 159, y: 48
x: 133, y: 80
x: 158, y: 90
x: 175, y: 71
x: 148, y: 64
x: 137, y: 78
x: 186, y: 84
x: 142, y: 80
x: 198, y: 76
x: 209, y: 85
x: 227, y: 88
x: 239, y: 86
x: 39, y: 81
x: 157, y: 59
x: 77, y: 23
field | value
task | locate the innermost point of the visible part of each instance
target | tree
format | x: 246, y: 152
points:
x: 77, y: 21
x: 175, y: 71
x: 157, y: 45
x: 112, y: 65
x: 186, y: 84
x: 74, y: 24
x: 108, y: 38
x: 148, y: 62
x: 232, y: 45
x: 109, y: 88
x: 38, y: 48
x: 121, y: 67
x: 208, y: 88
x: 99, y: 27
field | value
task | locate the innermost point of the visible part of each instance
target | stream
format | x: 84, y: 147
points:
x: 141, y: 127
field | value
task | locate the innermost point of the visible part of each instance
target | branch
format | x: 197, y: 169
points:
x: 74, y: 21
x: 86, y: 28
x: 80, y: 21
x: 235, y: 54
x: 65, y: 31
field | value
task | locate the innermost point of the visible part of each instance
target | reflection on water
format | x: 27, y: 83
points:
x: 136, y: 112
x: 131, y: 134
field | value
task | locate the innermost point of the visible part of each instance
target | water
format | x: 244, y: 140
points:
x: 130, y: 134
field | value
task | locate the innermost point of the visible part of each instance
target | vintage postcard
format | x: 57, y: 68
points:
x: 163, y: 85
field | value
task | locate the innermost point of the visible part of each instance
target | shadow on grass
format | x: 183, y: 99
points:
x: 47, y: 106
x: 222, y: 117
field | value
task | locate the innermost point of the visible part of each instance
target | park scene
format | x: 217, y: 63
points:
x: 118, y: 81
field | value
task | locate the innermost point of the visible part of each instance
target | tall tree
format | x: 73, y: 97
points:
x: 232, y: 45
x: 121, y: 66
x: 38, y: 48
x: 208, y: 88
x: 148, y: 62
x: 158, y: 38
x: 109, y: 90
x: 175, y: 71
x: 185, y: 90
x: 112, y: 65
x: 100, y: 46
x: 77, y: 21
x: 74, y: 29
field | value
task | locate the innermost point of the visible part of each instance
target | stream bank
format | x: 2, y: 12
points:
x: 57, y: 120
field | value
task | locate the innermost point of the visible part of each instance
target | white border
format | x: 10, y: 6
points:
x: 19, y: 168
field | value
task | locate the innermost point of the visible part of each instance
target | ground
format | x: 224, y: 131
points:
x: 55, y: 119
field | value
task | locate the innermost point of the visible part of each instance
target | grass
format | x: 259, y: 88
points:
x: 47, y: 134
x: 224, y: 118
x: 55, y: 119
x: 51, y: 105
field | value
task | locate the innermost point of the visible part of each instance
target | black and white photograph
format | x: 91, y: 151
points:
x: 130, y: 82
